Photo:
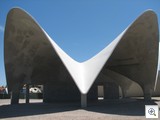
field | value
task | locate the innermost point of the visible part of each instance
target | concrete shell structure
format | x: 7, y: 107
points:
x: 129, y: 62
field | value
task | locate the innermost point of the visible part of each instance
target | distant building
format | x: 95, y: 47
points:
x: 126, y: 67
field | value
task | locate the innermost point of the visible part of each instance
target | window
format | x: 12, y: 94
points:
x: 100, y: 92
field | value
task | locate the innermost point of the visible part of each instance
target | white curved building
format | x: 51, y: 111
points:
x: 128, y: 64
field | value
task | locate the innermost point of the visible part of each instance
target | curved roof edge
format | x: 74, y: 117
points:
x: 85, y: 73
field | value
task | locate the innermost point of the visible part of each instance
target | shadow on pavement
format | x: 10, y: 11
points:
x: 7, y: 111
x: 130, y: 107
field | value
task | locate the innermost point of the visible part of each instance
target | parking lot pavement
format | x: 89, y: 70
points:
x: 125, y: 109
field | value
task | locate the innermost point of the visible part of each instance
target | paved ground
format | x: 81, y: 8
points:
x: 126, y: 109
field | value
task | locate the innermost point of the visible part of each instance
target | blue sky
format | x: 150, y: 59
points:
x: 81, y: 28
